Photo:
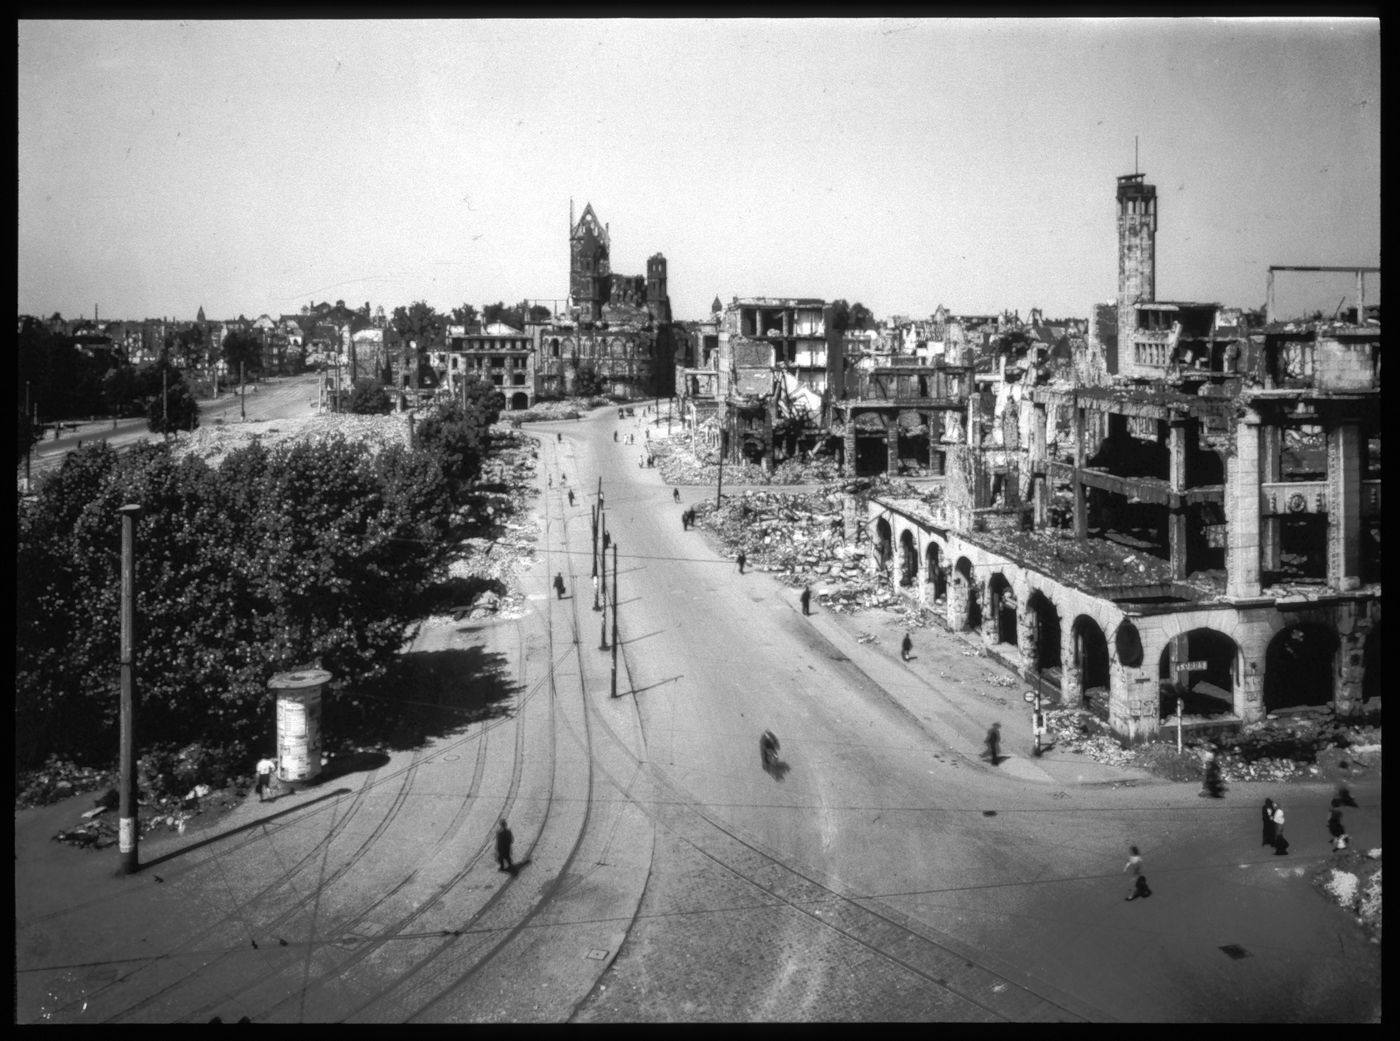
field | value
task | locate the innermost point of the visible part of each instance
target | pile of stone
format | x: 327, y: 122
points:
x: 1353, y: 881
x: 211, y: 443
x: 680, y: 466
x: 1074, y: 730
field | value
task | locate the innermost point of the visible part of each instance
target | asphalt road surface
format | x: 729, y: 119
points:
x: 881, y: 872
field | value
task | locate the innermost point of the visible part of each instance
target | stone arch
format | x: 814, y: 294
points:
x: 883, y: 540
x: 933, y: 570
x: 964, y: 611
x: 519, y: 400
x: 1000, y: 619
x: 1204, y: 691
x: 1089, y: 659
x: 1045, y: 633
x: 908, y: 558
x: 1300, y: 667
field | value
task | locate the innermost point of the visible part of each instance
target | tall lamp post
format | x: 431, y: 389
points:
x: 616, y: 641
x: 595, y: 558
x: 603, y: 631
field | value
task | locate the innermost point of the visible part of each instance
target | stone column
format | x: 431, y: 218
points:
x: 1179, y: 444
x: 850, y: 517
x: 892, y: 447
x: 1344, y: 506
x: 1081, y: 512
x: 1242, y: 510
x: 1027, y: 634
x: 1270, y: 469
x: 849, y: 467
x: 1351, y: 658
x: 1071, y: 667
x: 957, y: 603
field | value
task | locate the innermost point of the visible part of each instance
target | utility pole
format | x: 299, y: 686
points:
x: 600, y: 495
x: 128, y: 829
x: 603, y: 632
x: 616, y: 641
x: 242, y: 394
x: 595, y: 558
x: 165, y: 401
x: 670, y: 407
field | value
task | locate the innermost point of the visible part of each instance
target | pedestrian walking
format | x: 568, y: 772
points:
x: 1344, y: 794
x: 994, y: 743
x: 676, y: 494
x: 806, y: 599
x: 742, y: 561
x: 1267, y: 814
x: 571, y: 496
x: 558, y: 437
x: 1214, y: 786
x: 265, y: 769
x: 551, y: 480
x: 559, y: 585
x: 503, y: 842
x: 1134, y: 867
x: 563, y: 477
x: 1335, y: 828
x: 614, y: 435
x: 907, y: 647
x: 1280, y: 843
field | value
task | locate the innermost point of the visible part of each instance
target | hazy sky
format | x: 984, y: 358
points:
x: 257, y: 166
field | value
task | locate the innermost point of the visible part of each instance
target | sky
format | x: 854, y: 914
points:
x: 258, y: 166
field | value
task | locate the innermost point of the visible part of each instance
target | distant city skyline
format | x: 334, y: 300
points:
x: 251, y: 167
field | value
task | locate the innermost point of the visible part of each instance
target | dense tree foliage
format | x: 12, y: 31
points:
x: 370, y: 398
x: 172, y: 406
x: 313, y: 554
x: 242, y: 348
x: 458, y: 435
x: 62, y: 381
x: 853, y: 317
x: 588, y: 383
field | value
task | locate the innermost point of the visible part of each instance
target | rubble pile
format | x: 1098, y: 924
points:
x: 679, y: 465
x: 543, y: 411
x: 494, y: 563
x: 1075, y: 730
x: 211, y: 443
x: 1353, y: 881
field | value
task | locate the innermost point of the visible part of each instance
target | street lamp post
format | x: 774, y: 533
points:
x: 128, y: 831
x: 616, y: 641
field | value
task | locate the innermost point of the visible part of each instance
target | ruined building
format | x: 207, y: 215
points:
x: 616, y: 335
x: 1204, y: 540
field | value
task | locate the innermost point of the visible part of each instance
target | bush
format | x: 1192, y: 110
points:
x: 172, y: 409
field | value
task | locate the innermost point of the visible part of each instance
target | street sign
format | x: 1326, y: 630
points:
x: 1029, y: 696
x: 1192, y: 666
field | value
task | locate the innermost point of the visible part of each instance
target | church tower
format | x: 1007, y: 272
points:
x: 1137, y: 260
x: 590, y: 277
x: 658, y: 298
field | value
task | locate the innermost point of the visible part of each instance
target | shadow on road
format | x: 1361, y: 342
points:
x: 425, y: 694
x: 260, y: 822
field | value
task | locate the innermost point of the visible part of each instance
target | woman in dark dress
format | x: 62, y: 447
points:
x: 1268, y: 816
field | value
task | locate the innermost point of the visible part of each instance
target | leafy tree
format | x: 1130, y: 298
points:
x: 418, y: 322
x: 243, y: 348
x: 860, y: 317
x: 316, y: 553
x: 540, y: 313
x: 465, y: 314
x: 499, y: 312
x: 840, y: 315
x: 172, y: 407
x: 370, y: 398
x: 29, y: 432
x: 458, y: 435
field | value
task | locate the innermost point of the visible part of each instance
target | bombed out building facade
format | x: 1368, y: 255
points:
x: 615, y: 335
x: 1198, y: 533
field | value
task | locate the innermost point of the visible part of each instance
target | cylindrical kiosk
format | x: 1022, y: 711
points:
x: 299, y: 723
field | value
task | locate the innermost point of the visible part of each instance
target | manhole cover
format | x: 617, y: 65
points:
x: 596, y: 954
x: 1235, y: 951
x: 989, y: 813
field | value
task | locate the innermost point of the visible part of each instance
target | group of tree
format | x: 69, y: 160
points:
x: 314, y: 553
x: 851, y: 317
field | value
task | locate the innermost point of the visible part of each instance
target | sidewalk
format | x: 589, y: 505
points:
x: 943, y: 683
